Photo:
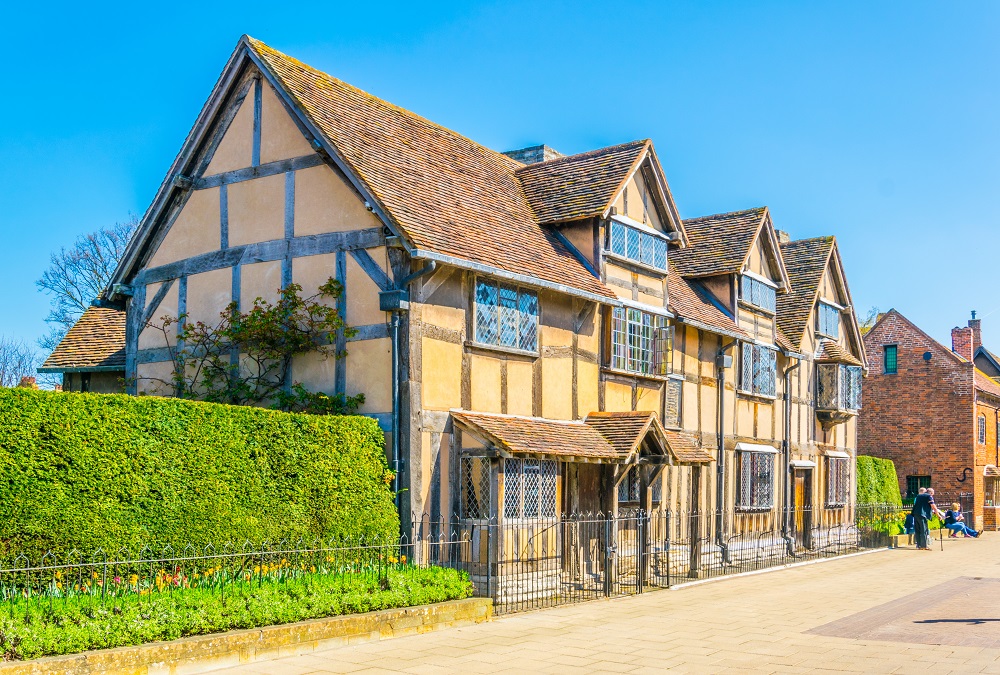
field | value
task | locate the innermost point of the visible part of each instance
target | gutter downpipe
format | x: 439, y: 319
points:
x: 720, y: 463
x: 786, y: 451
x: 403, y: 285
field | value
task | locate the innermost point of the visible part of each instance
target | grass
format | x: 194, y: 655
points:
x: 80, y: 620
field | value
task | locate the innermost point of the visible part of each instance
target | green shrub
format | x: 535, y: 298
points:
x: 69, y: 627
x: 877, y: 482
x: 88, y: 471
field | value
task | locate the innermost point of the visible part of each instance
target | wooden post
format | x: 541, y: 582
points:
x: 694, y: 549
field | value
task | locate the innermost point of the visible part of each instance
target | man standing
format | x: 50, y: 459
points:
x: 923, y: 509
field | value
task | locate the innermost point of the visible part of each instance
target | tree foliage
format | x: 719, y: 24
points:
x: 869, y: 320
x: 78, y: 275
x: 246, y: 357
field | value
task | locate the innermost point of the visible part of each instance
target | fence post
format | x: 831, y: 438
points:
x: 608, y: 554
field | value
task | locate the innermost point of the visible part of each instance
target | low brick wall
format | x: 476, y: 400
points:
x: 204, y: 653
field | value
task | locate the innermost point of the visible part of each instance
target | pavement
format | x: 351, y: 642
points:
x: 888, y: 611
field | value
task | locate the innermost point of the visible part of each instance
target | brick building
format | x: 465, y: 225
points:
x: 933, y: 411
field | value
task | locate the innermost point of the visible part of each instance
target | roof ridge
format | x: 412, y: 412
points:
x: 258, y: 45
x: 727, y: 214
x: 582, y: 155
x: 827, y: 238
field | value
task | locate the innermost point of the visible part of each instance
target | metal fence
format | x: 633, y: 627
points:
x: 522, y: 563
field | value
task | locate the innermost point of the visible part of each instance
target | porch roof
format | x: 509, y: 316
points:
x: 514, y: 435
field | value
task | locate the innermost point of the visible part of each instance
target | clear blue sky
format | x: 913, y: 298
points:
x: 877, y: 122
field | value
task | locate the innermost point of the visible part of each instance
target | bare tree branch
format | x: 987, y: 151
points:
x: 18, y: 359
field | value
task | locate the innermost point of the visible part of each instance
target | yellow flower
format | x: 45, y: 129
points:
x: 312, y: 568
x: 94, y: 575
x: 134, y: 579
x: 58, y: 584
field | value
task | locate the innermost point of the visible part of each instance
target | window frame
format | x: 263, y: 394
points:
x: 638, y: 244
x: 629, y: 488
x: 640, y: 342
x: 524, y: 298
x: 914, y: 482
x: 895, y: 359
x: 752, y: 380
x: 546, y: 491
x: 754, y: 481
x: 824, y: 330
x: 476, y: 488
x: 751, y: 284
x: 838, y: 472
x: 847, y: 385
x: 981, y: 428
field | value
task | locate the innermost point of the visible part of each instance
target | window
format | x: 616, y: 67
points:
x: 640, y: 342
x: 757, y: 293
x: 829, y: 320
x: 837, y: 480
x: 756, y: 485
x: 506, y: 316
x: 529, y: 488
x: 638, y: 245
x: 628, y: 489
x: 982, y: 430
x: 476, y: 487
x: 914, y: 483
x: 838, y: 386
x: 889, y: 356
x: 758, y: 369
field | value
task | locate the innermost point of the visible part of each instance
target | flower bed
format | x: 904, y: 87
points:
x: 72, y: 615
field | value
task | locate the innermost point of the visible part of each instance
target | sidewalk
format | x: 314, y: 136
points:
x: 876, y: 613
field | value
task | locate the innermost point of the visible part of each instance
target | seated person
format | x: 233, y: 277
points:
x: 955, y: 521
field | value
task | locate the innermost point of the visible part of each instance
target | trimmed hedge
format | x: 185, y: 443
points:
x: 88, y: 471
x: 877, y: 482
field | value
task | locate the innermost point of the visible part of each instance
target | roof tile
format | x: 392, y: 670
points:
x: 718, y: 244
x: 96, y: 340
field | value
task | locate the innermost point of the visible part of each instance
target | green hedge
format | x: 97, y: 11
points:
x: 877, y: 482
x: 83, y: 471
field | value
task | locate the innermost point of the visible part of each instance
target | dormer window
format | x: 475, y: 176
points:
x: 638, y: 243
x: 758, y: 293
x: 828, y: 320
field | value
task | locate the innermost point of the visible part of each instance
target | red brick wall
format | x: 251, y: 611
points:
x: 922, y: 418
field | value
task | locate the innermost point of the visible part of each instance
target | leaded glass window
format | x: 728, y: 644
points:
x: 756, y: 481
x: 628, y: 489
x: 982, y: 430
x: 837, y: 480
x: 506, y: 316
x: 640, y: 342
x: 476, y: 484
x: 828, y: 319
x: 637, y: 245
x: 838, y: 387
x: 755, y: 292
x: 529, y: 488
x: 758, y: 369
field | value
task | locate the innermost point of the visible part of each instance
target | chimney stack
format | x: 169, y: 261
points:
x: 977, y: 332
x: 783, y: 237
x: 961, y: 342
x: 534, y: 154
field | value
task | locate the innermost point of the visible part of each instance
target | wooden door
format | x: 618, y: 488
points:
x: 802, y: 493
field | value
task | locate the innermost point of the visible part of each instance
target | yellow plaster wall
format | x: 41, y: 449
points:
x: 313, y: 271
x: 443, y: 391
x: 589, y: 336
x: 586, y: 388
x: 617, y: 397
x: 235, y: 151
x: 648, y: 399
x: 196, y: 229
x: 757, y: 261
x: 362, y: 297
x: 369, y: 372
x: 208, y: 294
x: 485, y: 380
x: 637, y: 188
x: 519, y: 388
x: 325, y: 203
x: 280, y: 138
x: 257, y: 210
x: 151, y: 378
x: 709, y: 408
x: 689, y: 408
x: 152, y: 337
x: 315, y: 372
x: 557, y: 388
x: 443, y: 316
x: 260, y: 280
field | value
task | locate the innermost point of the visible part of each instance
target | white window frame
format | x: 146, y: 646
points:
x: 641, y: 342
x: 982, y: 429
x: 496, y: 314
x: 758, y: 292
x: 758, y: 370
x: 826, y: 313
x: 523, y: 478
x: 838, y: 472
x: 755, y: 484
x: 637, y: 243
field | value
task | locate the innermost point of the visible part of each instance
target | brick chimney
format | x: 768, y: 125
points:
x: 534, y: 154
x: 977, y: 332
x: 961, y: 342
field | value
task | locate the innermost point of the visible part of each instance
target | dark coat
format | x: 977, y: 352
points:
x: 922, y: 506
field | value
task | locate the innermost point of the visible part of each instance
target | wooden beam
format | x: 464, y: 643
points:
x: 223, y: 217
x: 258, y: 102
x: 340, y: 372
x: 374, y: 331
x: 372, y: 269
x: 286, y: 261
x: 259, y: 171
x: 154, y: 303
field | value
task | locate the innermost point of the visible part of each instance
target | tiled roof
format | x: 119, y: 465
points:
x: 536, y: 436
x: 991, y: 471
x: 579, y: 186
x: 686, y: 448
x: 831, y: 351
x: 689, y: 302
x: 806, y: 260
x: 626, y: 430
x: 96, y: 341
x: 782, y: 340
x: 450, y: 195
x: 718, y: 244
x: 985, y: 383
